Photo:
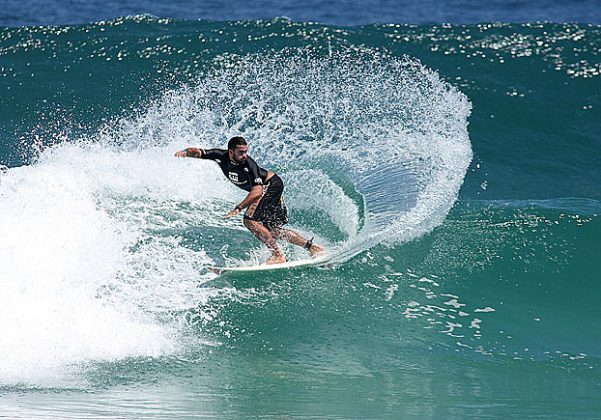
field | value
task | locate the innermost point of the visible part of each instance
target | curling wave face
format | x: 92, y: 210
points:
x: 380, y: 144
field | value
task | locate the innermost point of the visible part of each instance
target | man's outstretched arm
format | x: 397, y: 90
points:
x: 189, y: 152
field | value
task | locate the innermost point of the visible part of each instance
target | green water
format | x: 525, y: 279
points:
x: 459, y: 188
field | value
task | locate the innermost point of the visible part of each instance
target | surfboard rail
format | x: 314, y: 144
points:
x: 319, y: 260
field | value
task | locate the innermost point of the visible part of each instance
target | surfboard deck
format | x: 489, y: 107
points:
x: 322, y: 259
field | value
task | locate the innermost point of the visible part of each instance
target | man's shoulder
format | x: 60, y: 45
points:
x: 221, y: 151
x: 214, y: 154
x: 251, y: 162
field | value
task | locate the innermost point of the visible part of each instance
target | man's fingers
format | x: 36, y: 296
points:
x: 232, y: 214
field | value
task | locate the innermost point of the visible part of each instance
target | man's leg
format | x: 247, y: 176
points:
x: 263, y: 234
x: 296, y: 239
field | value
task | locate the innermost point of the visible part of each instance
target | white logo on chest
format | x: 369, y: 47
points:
x: 233, y: 176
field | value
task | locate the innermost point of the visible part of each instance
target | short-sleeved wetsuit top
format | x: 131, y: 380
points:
x: 244, y: 175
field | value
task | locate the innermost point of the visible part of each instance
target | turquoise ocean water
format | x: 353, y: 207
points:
x: 453, y: 169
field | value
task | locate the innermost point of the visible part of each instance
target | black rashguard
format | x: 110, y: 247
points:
x: 244, y: 175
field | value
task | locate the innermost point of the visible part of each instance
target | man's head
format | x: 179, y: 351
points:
x: 237, y: 149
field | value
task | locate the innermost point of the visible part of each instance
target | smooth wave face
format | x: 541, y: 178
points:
x: 465, y: 262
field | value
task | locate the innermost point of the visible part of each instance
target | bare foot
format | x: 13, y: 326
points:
x: 315, y: 249
x: 276, y: 259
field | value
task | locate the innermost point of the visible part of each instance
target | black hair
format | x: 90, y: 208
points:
x: 236, y: 141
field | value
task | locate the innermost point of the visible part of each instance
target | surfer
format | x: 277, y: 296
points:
x: 266, y: 212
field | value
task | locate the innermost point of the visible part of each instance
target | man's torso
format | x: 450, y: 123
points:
x: 244, y: 175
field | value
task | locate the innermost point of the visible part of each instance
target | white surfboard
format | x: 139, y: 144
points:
x: 322, y: 259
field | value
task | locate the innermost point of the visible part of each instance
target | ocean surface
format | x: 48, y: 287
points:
x: 452, y: 170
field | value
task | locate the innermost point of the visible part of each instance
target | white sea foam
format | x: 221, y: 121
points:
x: 80, y: 279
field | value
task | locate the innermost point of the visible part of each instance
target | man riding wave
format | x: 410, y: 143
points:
x: 266, y: 212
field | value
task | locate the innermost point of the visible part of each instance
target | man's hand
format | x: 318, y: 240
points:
x: 189, y: 152
x: 250, y: 200
x: 232, y: 213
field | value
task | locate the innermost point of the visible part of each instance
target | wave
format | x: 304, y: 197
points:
x: 388, y: 128
x: 577, y: 205
x: 373, y: 149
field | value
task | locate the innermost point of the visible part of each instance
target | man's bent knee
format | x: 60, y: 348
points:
x: 250, y: 224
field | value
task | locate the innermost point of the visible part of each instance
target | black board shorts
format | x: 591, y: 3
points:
x: 271, y: 210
